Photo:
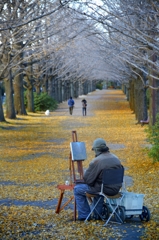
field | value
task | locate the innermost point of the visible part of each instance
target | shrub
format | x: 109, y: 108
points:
x: 43, y: 101
x: 99, y: 86
x: 153, y: 138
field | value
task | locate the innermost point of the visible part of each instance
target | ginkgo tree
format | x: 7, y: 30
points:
x: 48, y: 44
x: 36, y: 40
x: 132, y: 27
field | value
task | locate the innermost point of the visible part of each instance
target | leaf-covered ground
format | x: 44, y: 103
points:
x: 34, y: 158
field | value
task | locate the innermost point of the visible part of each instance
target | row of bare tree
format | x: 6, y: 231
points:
x: 46, y: 44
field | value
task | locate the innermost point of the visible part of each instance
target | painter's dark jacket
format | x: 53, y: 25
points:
x: 93, y: 175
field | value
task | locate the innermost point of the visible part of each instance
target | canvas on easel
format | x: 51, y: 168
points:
x: 78, y: 151
x: 78, y: 155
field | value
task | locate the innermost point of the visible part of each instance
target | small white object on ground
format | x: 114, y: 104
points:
x: 47, y: 112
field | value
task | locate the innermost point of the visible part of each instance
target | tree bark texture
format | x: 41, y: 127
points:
x: 18, y: 79
x: 19, y: 95
x: 139, y: 100
x: 154, y: 101
x: 10, y: 110
x: 30, y: 100
x: 6, y: 60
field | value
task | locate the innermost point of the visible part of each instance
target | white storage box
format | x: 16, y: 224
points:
x: 132, y: 202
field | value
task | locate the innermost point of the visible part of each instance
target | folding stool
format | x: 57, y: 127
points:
x: 112, y: 203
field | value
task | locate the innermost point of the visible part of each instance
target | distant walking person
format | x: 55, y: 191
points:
x: 84, y: 107
x: 71, y: 105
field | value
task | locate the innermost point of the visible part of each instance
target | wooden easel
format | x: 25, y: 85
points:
x: 73, y: 180
x: 72, y: 164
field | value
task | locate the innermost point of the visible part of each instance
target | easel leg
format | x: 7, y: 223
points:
x: 59, y: 202
x: 59, y: 208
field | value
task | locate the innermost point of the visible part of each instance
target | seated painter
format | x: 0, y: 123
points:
x: 93, y: 179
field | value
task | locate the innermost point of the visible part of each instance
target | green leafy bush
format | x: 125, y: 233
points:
x: 43, y: 101
x: 99, y: 86
x: 153, y: 138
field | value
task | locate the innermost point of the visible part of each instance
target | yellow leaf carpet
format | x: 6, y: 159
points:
x: 34, y: 158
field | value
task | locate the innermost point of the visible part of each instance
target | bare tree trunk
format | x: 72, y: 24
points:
x: 51, y: 86
x: 19, y: 95
x: 10, y: 110
x: 37, y: 88
x: 154, y: 93
x: 139, y: 100
x: 154, y: 101
x: 131, y: 96
x: 6, y: 59
x: 29, y: 87
x: 45, y: 84
x: 145, y: 110
x: 37, y: 83
x: 18, y: 82
x: 30, y: 100
x: 59, y: 91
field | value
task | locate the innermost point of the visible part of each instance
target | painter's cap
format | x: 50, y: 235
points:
x: 99, y: 143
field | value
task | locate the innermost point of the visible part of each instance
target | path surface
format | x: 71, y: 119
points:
x: 133, y: 228
x: 88, y: 127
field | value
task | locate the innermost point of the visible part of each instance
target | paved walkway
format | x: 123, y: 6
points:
x: 90, y: 127
x: 133, y: 228
x: 92, y: 99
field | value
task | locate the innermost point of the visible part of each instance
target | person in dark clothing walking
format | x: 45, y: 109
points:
x: 84, y: 107
x: 71, y: 105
